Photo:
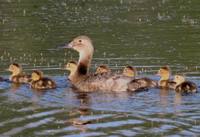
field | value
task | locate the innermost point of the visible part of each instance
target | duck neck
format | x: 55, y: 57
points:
x: 84, y: 63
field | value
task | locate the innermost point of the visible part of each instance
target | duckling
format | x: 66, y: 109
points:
x: 71, y: 66
x: 17, y: 75
x: 139, y: 83
x: 129, y: 71
x: 165, y: 82
x: 102, y: 69
x: 184, y: 86
x: 88, y: 83
x: 39, y: 82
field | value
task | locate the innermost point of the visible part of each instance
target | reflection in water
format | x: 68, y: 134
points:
x: 177, y: 99
x: 164, y: 95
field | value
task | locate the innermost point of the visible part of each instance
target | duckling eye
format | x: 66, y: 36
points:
x: 80, y: 40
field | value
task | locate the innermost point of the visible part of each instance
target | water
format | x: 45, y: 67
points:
x: 143, y: 33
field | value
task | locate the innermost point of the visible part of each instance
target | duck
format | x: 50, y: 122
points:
x: 71, y: 66
x: 138, y: 83
x: 165, y: 82
x: 184, y: 86
x: 102, y: 69
x: 85, y: 82
x: 41, y: 83
x: 18, y: 76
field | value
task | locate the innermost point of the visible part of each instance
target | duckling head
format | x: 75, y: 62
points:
x: 179, y: 79
x: 71, y: 66
x: 129, y: 71
x: 102, y: 69
x: 15, y: 69
x: 36, y: 75
x: 164, y: 72
x: 82, y: 44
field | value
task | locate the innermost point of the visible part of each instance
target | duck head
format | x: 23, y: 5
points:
x: 102, y: 69
x: 179, y: 79
x: 15, y: 68
x: 36, y: 75
x: 129, y: 71
x: 83, y: 45
x: 164, y: 73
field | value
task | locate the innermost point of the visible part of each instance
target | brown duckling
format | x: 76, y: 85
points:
x: 71, y: 66
x: 102, y: 69
x: 165, y: 82
x: 184, y: 86
x: 17, y: 75
x: 139, y: 83
x: 39, y: 82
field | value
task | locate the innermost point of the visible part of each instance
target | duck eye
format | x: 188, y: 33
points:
x: 80, y: 40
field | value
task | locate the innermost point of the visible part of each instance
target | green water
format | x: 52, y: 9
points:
x: 143, y: 33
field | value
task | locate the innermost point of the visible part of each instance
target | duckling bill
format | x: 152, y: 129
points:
x: 39, y: 82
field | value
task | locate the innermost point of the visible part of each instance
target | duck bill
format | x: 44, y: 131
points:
x: 65, y: 46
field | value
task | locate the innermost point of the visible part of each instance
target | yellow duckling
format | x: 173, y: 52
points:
x: 39, y: 82
x: 17, y: 75
x: 71, y: 67
x: 102, y: 69
x: 184, y: 86
x: 139, y: 83
x: 129, y: 71
x: 164, y: 82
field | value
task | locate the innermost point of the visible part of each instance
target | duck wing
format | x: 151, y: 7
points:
x: 104, y: 82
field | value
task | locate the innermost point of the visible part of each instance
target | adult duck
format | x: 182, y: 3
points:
x: 86, y: 82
